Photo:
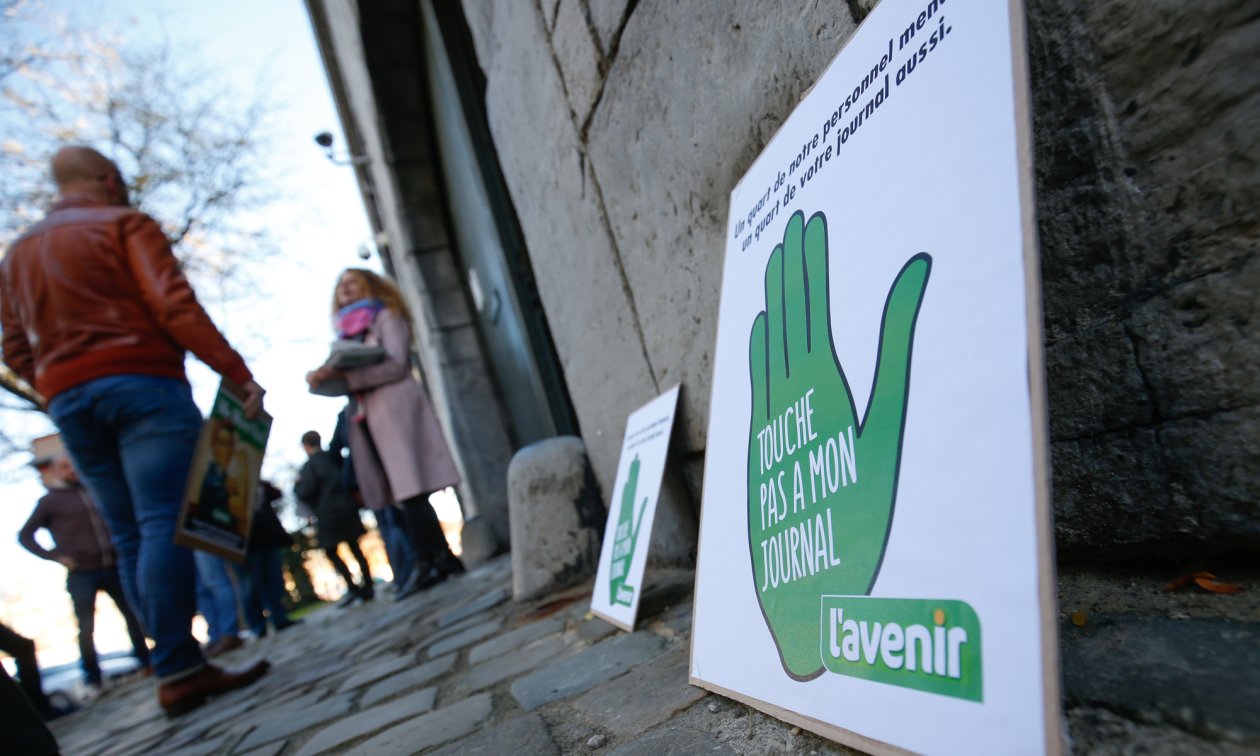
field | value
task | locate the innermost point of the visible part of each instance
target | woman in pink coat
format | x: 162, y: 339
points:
x: 397, y: 448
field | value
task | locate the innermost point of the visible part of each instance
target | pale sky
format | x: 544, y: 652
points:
x: 285, y: 331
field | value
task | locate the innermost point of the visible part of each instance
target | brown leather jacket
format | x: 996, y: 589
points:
x: 94, y: 290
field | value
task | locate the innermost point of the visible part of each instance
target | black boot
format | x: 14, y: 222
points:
x: 450, y: 564
x: 423, y: 576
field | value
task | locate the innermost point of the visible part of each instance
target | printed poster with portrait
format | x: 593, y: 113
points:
x: 875, y: 559
x: 222, y: 486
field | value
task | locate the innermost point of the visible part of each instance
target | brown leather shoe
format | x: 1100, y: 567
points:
x: 222, y: 646
x: 187, y: 693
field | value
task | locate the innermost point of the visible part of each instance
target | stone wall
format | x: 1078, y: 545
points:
x: 608, y: 116
x: 1145, y: 116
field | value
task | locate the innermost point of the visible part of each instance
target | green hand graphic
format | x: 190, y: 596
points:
x: 821, y: 483
x: 624, y: 540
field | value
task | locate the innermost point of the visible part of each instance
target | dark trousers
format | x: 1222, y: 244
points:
x: 262, y: 582
x: 83, y: 585
x: 341, y: 567
x: 24, y: 731
x: 427, y: 538
x: 22, y: 649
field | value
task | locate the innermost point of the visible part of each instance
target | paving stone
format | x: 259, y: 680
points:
x: 274, y: 728
x: 369, y: 720
x: 643, y: 698
x: 206, y: 721
x: 580, y: 673
x: 271, y: 749
x: 672, y: 742
x: 200, y: 748
x: 466, y: 638
x: 259, y: 714
x: 135, y: 743
x: 377, y: 670
x: 516, y: 639
x: 407, y: 679
x: 499, y: 669
x: 435, y: 728
x: 596, y: 629
x: 320, y: 671
x: 476, y: 606
x: 523, y: 735
x: 434, y: 637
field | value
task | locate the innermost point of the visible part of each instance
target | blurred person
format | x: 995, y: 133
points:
x: 22, y: 649
x: 219, y: 601
x: 388, y: 519
x: 400, y: 455
x: 336, y: 516
x: 81, y: 543
x: 261, y: 577
x: 96, y: 315
x: 24, y: 729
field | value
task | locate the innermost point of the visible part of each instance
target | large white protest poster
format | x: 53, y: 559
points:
x: 874, y: 559
x: 628, y: 534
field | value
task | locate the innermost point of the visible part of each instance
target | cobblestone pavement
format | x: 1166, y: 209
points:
x: 459, y: 669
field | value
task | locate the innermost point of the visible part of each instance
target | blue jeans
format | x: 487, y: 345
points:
x: 83, y: 585
x: 262, y: 587
x: 222, y: 614
x: 397, y: 545
x: 132, y: 438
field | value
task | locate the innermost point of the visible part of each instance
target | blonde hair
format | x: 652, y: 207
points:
x: 377, y: 287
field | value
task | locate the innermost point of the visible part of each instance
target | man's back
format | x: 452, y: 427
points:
x: 94, y: 290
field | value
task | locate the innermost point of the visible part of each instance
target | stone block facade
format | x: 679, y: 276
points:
x: 620, y: 127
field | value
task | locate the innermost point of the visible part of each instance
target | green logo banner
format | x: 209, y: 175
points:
x: 924, y: 644
x: 626, y: 536
x: 822, y: 480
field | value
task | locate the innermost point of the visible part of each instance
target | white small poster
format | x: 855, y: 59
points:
x: 628, y: 534
x: 874, y: 559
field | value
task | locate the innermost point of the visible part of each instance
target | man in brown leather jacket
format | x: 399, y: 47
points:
x: 97, y: 316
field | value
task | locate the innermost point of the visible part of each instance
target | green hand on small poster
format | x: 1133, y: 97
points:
x: 623, y: 546
x: 822, y: 482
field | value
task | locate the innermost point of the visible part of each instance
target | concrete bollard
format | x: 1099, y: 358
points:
x: 556, y: 517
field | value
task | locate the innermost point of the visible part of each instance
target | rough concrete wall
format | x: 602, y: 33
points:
x: 622, y: 126
x: 1146, y: 117
x: 620, y: 154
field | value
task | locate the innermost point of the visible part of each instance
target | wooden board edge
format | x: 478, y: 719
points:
x: 1047, y: 582
x: 613, y: 621
x: 818, y: 727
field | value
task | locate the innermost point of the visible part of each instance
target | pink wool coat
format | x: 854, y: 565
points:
x: 398, y: 450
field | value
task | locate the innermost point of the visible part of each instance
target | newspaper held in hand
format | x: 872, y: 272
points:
x: 218, y: 507
x: 345, y: 354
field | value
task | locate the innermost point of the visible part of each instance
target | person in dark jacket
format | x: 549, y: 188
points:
x: 337, y: 518
x: 261, y: 577
x: 81, y: 543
